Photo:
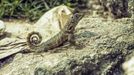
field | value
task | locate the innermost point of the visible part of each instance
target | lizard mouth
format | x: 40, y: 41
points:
x: 34, y: 39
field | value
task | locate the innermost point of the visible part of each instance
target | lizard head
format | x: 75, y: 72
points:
x: 76, y: 17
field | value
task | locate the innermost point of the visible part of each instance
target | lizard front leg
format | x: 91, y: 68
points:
x: 71, y: 37
x: 72, y: 41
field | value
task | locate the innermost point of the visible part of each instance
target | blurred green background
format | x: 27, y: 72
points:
x: 33, y: 9
x: 30, y: 9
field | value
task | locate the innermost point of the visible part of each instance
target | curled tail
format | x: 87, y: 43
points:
x: 34, y: 39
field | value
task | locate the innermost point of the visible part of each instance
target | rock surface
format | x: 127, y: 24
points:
x: 113, y: 8
x: 2, y: 27
x: 128, y: 66
x: 105, y: 45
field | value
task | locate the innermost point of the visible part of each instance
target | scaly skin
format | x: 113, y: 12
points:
x: 64, y: 35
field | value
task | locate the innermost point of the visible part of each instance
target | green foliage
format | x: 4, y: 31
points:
x: 8, y: 7
x: 30, y: 9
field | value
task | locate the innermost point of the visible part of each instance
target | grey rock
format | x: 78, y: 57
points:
x: 106, y: 44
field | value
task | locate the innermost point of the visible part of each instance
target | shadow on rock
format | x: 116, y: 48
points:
x: 86, y: 34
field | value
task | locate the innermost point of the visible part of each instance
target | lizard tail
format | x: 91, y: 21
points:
x: 34, y: 39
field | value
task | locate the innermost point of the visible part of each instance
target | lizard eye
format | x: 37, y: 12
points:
x: 75, y: 16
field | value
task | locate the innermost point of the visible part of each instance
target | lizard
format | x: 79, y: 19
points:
x: 34, y: 39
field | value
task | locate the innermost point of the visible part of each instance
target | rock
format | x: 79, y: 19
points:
x: 128, y: 66
x: 106, y: 44
x: 114, y: 8
x: 52, y: 21
x: 117, y: 8
x: 2, y: 27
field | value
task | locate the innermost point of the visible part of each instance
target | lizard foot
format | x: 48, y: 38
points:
x: 78, y: 46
